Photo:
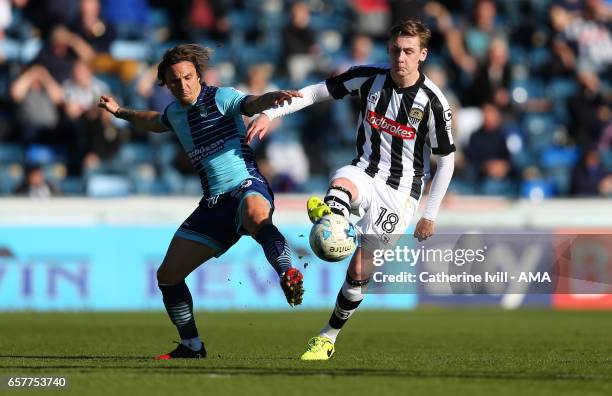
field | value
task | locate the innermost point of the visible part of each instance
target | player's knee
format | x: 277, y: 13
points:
x: 355, y: 274
x: 344, y: 184
x: 255, y: 216
x: 165, y: 276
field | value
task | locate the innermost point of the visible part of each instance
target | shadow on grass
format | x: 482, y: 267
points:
x: 303, y: 369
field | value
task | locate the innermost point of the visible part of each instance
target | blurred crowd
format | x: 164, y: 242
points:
x: 529, y: 82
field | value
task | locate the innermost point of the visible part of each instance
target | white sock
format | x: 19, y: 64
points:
x: 329, y: 332
x: 195, y: 344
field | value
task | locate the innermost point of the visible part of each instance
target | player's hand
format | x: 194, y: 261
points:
x: 258, y: 127
x: 424, y: 229
x: 109, y: 104
x: 278, y: 98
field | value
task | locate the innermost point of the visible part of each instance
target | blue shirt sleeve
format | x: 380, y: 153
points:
x: 229, y: 101
x: 164, y: 118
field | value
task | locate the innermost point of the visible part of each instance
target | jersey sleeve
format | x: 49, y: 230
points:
x: 351, y: 80
x: 440, y: 126
x: 163, y: 118
x: 229, y: 101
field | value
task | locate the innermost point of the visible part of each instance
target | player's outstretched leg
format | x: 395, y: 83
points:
x: 350, y: 296
x: 278, y: 254
x: 257, y: 220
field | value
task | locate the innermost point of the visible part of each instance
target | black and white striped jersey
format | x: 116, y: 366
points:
x: 398, y: 128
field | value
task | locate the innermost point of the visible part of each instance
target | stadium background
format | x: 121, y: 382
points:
x: 529, y: 82
x: 88, y: 205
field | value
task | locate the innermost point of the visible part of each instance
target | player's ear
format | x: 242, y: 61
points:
x: 423, y: 55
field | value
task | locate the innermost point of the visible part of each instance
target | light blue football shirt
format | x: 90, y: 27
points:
x: 213, y: 134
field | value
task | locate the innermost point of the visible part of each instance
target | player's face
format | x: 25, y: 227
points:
x: 183, y: 81
x: 405, y: 53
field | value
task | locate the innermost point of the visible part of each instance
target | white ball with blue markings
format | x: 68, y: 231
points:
x: 333, y: 238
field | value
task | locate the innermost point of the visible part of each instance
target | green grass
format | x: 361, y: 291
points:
x: 428, y: 351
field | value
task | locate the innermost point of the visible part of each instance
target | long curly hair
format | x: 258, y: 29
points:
x: 194, y: 53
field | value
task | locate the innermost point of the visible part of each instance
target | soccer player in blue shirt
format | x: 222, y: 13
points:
x: 237, y: 199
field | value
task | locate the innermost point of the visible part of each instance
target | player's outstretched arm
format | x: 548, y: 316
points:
x: 142, y: 119
x: 308, y: 95
x: 254, y: 104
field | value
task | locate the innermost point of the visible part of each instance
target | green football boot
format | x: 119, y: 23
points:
x: 319, y: 348
x: 316, y: 208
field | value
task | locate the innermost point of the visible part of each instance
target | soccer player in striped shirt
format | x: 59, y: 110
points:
x: 403, y: 118
x: 237, y: 199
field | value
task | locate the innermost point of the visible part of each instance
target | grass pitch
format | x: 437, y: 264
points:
x: 427, y: 351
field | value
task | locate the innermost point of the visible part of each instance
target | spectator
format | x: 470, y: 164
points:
x: 563, y: 60
x: 605, y: 142
x: 47, y: 14
x: 372, y: 17
x: 257, y: 83
x: 92, y: 28
x: 199, y: 16
x: 258, y: 79
x: 299, y: 44
x: 584, y: 42
x: 61, y: 50
x: 487, y: 150
x: 157, y: 98
x: 589, y: 178
x: 35, y: 184
x: 96, y: 135
x: 208, y: 19
x: 469, y: 47
x: 589, y: 111
x: 129, y: 18
x: 408, y: 9
x: 100, y: 35
x: 441, y: 25
x: 492, y: 78
x: 38, y: 97
x: 279, y: 182
x: 361, y: 53
x: 438, y: 76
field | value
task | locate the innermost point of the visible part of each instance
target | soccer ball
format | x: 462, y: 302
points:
x: 333, y: 238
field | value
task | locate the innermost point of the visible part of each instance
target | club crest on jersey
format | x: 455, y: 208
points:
x: 373, y: 97
x: 394, y: 128
x: 415, y: 115
x: 448, y: 115
x: 203, y: 111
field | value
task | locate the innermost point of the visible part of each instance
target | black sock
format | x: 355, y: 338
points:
x: 339, y: 201
x: 275, y: 247
x: 179, y: 306
x: 349, y: 298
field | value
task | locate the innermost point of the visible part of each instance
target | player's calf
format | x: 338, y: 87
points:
x: 278, y: 253
x: 179, y: 305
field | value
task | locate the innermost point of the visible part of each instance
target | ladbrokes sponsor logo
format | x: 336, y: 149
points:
x: 391, y: 127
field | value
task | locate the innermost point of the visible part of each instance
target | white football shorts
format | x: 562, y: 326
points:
x: 383, y: 211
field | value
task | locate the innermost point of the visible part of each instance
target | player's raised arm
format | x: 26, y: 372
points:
x: 306, y: 96
x: 142, y: 119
